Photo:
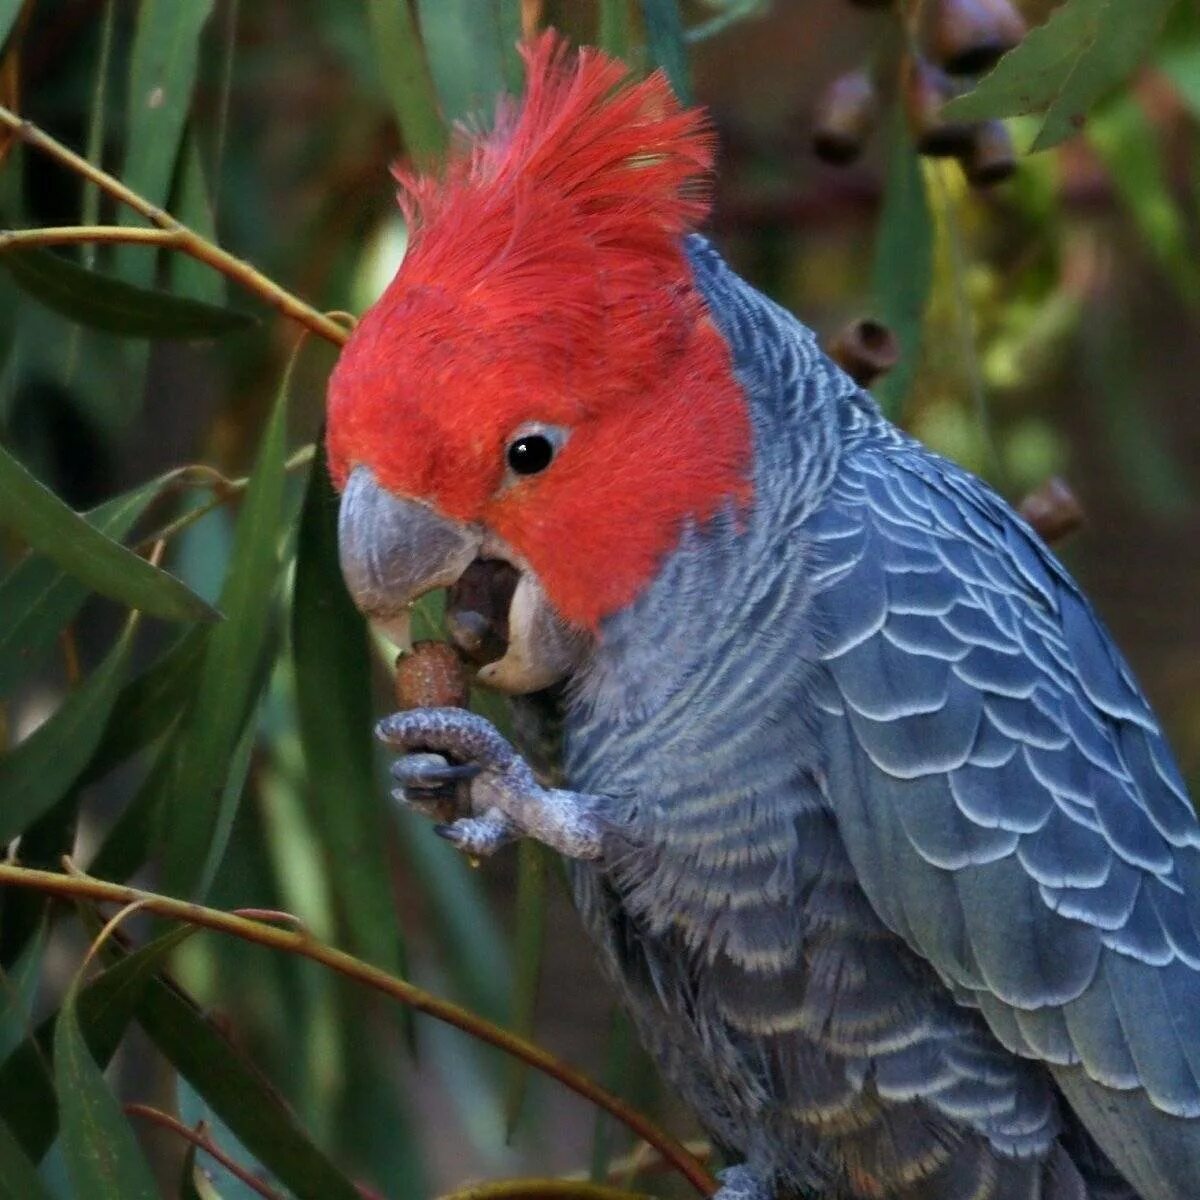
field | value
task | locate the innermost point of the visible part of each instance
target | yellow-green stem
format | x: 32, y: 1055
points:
x: 80, y: 886
x: 171, y: 234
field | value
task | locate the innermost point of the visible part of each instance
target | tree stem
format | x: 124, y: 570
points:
x: 76, y: 885
x: 169, y: 234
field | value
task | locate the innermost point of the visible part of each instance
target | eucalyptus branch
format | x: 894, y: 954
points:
x: 202, y: 1140
x: 223, y: 488
x: 77, y: 885
x: 170, y: 234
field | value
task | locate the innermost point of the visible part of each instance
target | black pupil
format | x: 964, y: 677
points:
x: 530, y: 454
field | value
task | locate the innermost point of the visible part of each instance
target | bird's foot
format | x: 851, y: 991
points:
x: 455, y: 763
x: 743, y: 1182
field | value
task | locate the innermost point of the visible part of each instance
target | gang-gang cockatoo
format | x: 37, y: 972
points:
x: 866, y: 816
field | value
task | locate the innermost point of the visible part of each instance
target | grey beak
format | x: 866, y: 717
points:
x: 394, y: 550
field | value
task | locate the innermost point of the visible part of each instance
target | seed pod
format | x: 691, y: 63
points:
x: 430, y: 676
x: 991, y: 157
x: 966, y: 37
x: 865, y: 350
x: 1053, y: 510
x: 845, y: 118
x: 926, y: 90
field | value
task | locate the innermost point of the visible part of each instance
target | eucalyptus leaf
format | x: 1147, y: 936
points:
x: 110, y: 304
x: 1062, y: 68
x: 41, y: 769
x: 470, y: 46
x: 28, y: 1103
x: 240, y: 1095
x: 50, y: 526
x: 902, y: 275
x: 333, y: 699
x: 667, y: 44
x: 38, y: 598
x: 162, y: 74
x: 406, y: 79
x: 9, y: 11
x: 18, y: 1175
x: 530, y: 943
x: 103, y: 1158
x: 226, y: 688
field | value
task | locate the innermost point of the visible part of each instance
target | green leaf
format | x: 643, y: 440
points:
x: 614, y: 35
x: 27, y: 1097
x: 470, y: 46
x: 1062, y: 68
x: 1126, y: 140
x: 229, y: 681
x: 103, y: 1158
x: 18, y: 1176
x: 239, y: 1095
x: 110, y: 304
x: 42, y: 767
x: 902, y: 274
x: 38, y: 598
x: 194, y: 1184
x: 530, y: 941
x: 9, y: 11
x: 333, y: 700
x: 148, y: 705
x: 406, y: 79
x: 48, y: 525
x: 667, y: 45
x: 189, y: 277
x: 162, y: 74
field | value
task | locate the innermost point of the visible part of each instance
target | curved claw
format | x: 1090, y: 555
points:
x: 478, y: 836
x: 431, y: 771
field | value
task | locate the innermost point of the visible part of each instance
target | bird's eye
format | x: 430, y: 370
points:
x: 530, y: 453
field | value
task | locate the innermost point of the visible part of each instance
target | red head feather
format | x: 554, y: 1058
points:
x: 546, y: 282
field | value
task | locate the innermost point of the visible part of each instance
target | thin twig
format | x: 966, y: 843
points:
x: 223, y: 488
x: 174, y: 234
x: 77, y: 884
x: 201, y: 1139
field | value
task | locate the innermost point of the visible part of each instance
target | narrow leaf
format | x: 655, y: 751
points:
x: 48, y: 525
x: 9, y: 11
x: 38, y: 598
x: 110, y: 304
x: 162, y: 74
x: 903, y: 270
x: 468, y: 43
x: 188, y: 277
x: 18, y: 1176
x: 406, y: 79
x: 149, y: 704
x: 1062, y: 68
x: 1126, y: 140
x: 530, y: 942
x: 333, y: 699
x: 27, y: 1097
x: 194, y: 1183
x: 667, y: 45
x: 613, y: 35
x: 226, y: 689
x: 41, y: 769
x: 239, y: 1095
x: 103, y: 1158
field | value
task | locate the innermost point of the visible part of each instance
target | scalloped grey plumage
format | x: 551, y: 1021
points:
x: 915, y: 909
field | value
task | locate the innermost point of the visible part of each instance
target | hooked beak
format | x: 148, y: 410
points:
x: 395, y: 550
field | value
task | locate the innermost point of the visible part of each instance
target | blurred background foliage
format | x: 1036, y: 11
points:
x: 1048, y: 327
